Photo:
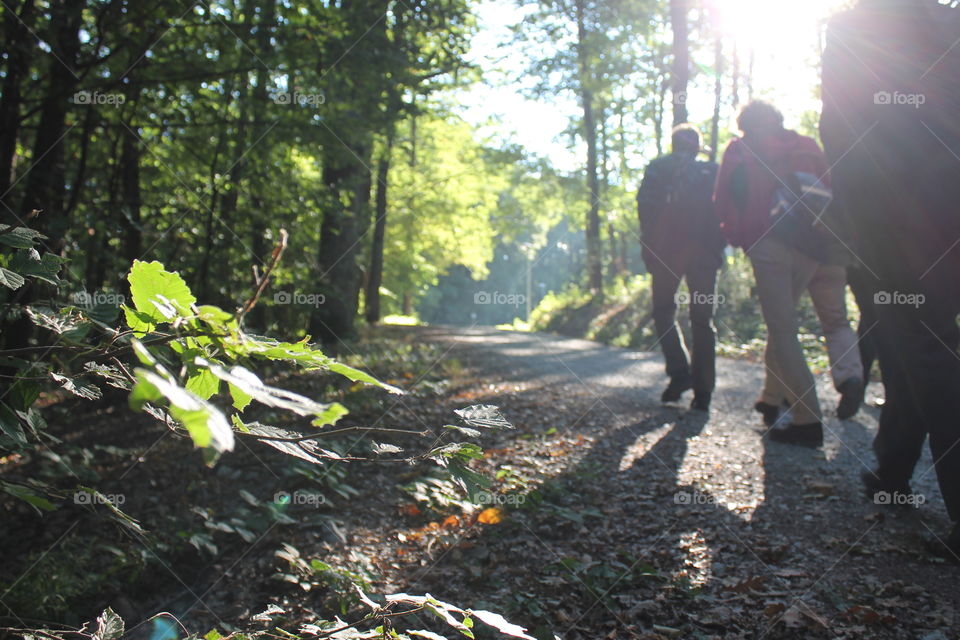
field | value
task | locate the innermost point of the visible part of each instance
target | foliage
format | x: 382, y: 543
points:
x: 195, y: 373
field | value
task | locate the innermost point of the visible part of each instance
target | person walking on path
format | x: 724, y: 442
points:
x: 681, y: 240
x: 789, y: 256
x: 891, y: 126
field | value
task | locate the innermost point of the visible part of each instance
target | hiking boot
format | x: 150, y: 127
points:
x: 770, y: 412
x: 701, y: 402
x: 851, y: 398
x: 676, y: 389
x: 803, y: 435
x: 880, y: 490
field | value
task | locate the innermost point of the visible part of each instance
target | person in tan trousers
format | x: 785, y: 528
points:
x: 754, y: 168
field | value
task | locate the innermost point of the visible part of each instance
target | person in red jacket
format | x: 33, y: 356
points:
x: 754, y: 170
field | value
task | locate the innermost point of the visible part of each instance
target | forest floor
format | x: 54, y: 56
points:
x: 619, y: 518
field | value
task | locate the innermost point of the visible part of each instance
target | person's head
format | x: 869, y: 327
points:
x: 759, y: 118
x: 686, y: 139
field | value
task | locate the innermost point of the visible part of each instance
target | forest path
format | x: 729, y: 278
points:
x: 748, y: 538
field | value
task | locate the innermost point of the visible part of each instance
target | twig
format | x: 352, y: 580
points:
x: 261, y: 282
x: 322, y: 434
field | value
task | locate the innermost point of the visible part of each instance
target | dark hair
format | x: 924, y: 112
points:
x: 759, y: 115
x: 685, y: 138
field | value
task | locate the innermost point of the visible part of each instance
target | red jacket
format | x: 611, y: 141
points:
x: 748, y: 181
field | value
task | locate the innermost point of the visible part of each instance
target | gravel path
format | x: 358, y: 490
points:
x: 737, y: 537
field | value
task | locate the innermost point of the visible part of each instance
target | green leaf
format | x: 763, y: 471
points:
x: 204, y: 384
x: 385, y: 449
x: 22, y: 394
x: 10, y: 424
x: 501, y: 624
x: 484, y: 416
x: 29, y: 262
x: 10, y: 279
x: 76, y: 387
x: 307, y: 450
x: 160, y: 294
x: 109, y: 626
x: 333, y: 414
x: 240, y: 398
x: 140, y: 323
x: 19, y: 238
x: 208, y: 427
x: 248, y: 382
x: 27, y: 495
x: 356, y: 375
x: 113, y: 376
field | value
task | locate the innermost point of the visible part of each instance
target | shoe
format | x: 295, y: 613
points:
x: 701, y: 402
x: 851, y: 398
x: 770, y: 413
x: 676, y: 389
x: 874, y: 483
x: 804, y: 435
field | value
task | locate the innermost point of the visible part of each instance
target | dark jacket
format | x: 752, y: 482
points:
x: 677, y: 217
x: 891, y: 128
x: 749, y: 179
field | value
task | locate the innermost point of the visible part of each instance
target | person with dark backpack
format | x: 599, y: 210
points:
x: 891, y: 127
x: 681, y: 239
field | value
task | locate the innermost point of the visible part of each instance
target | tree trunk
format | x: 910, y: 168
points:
x: 679, y: 10
x: 347, y: 180
x: 46, y: 182
x: 375, y: 274
x: 659, y: 111
x: 19, y: 44
x: 717, y: 99
x: 735, y: 93
x: 594, y: 257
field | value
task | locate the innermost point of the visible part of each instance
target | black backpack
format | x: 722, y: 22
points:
x: 690, y: 196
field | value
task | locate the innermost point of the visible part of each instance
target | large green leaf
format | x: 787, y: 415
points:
x: 29, y: 262
x: 248, y: 383
x: 360, y: 376
x: 208, y: 427
x: 158, y: 293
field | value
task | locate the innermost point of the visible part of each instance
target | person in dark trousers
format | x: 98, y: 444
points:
x: 681, y: 240
x: 891, y: 127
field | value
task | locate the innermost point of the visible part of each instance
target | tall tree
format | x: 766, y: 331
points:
x: 589, y: 131
x: 679, y: 20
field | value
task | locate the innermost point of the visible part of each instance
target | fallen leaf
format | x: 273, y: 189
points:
x: 490, y: 516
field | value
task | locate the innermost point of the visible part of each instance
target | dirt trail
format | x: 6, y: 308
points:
x: 763, y: 539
